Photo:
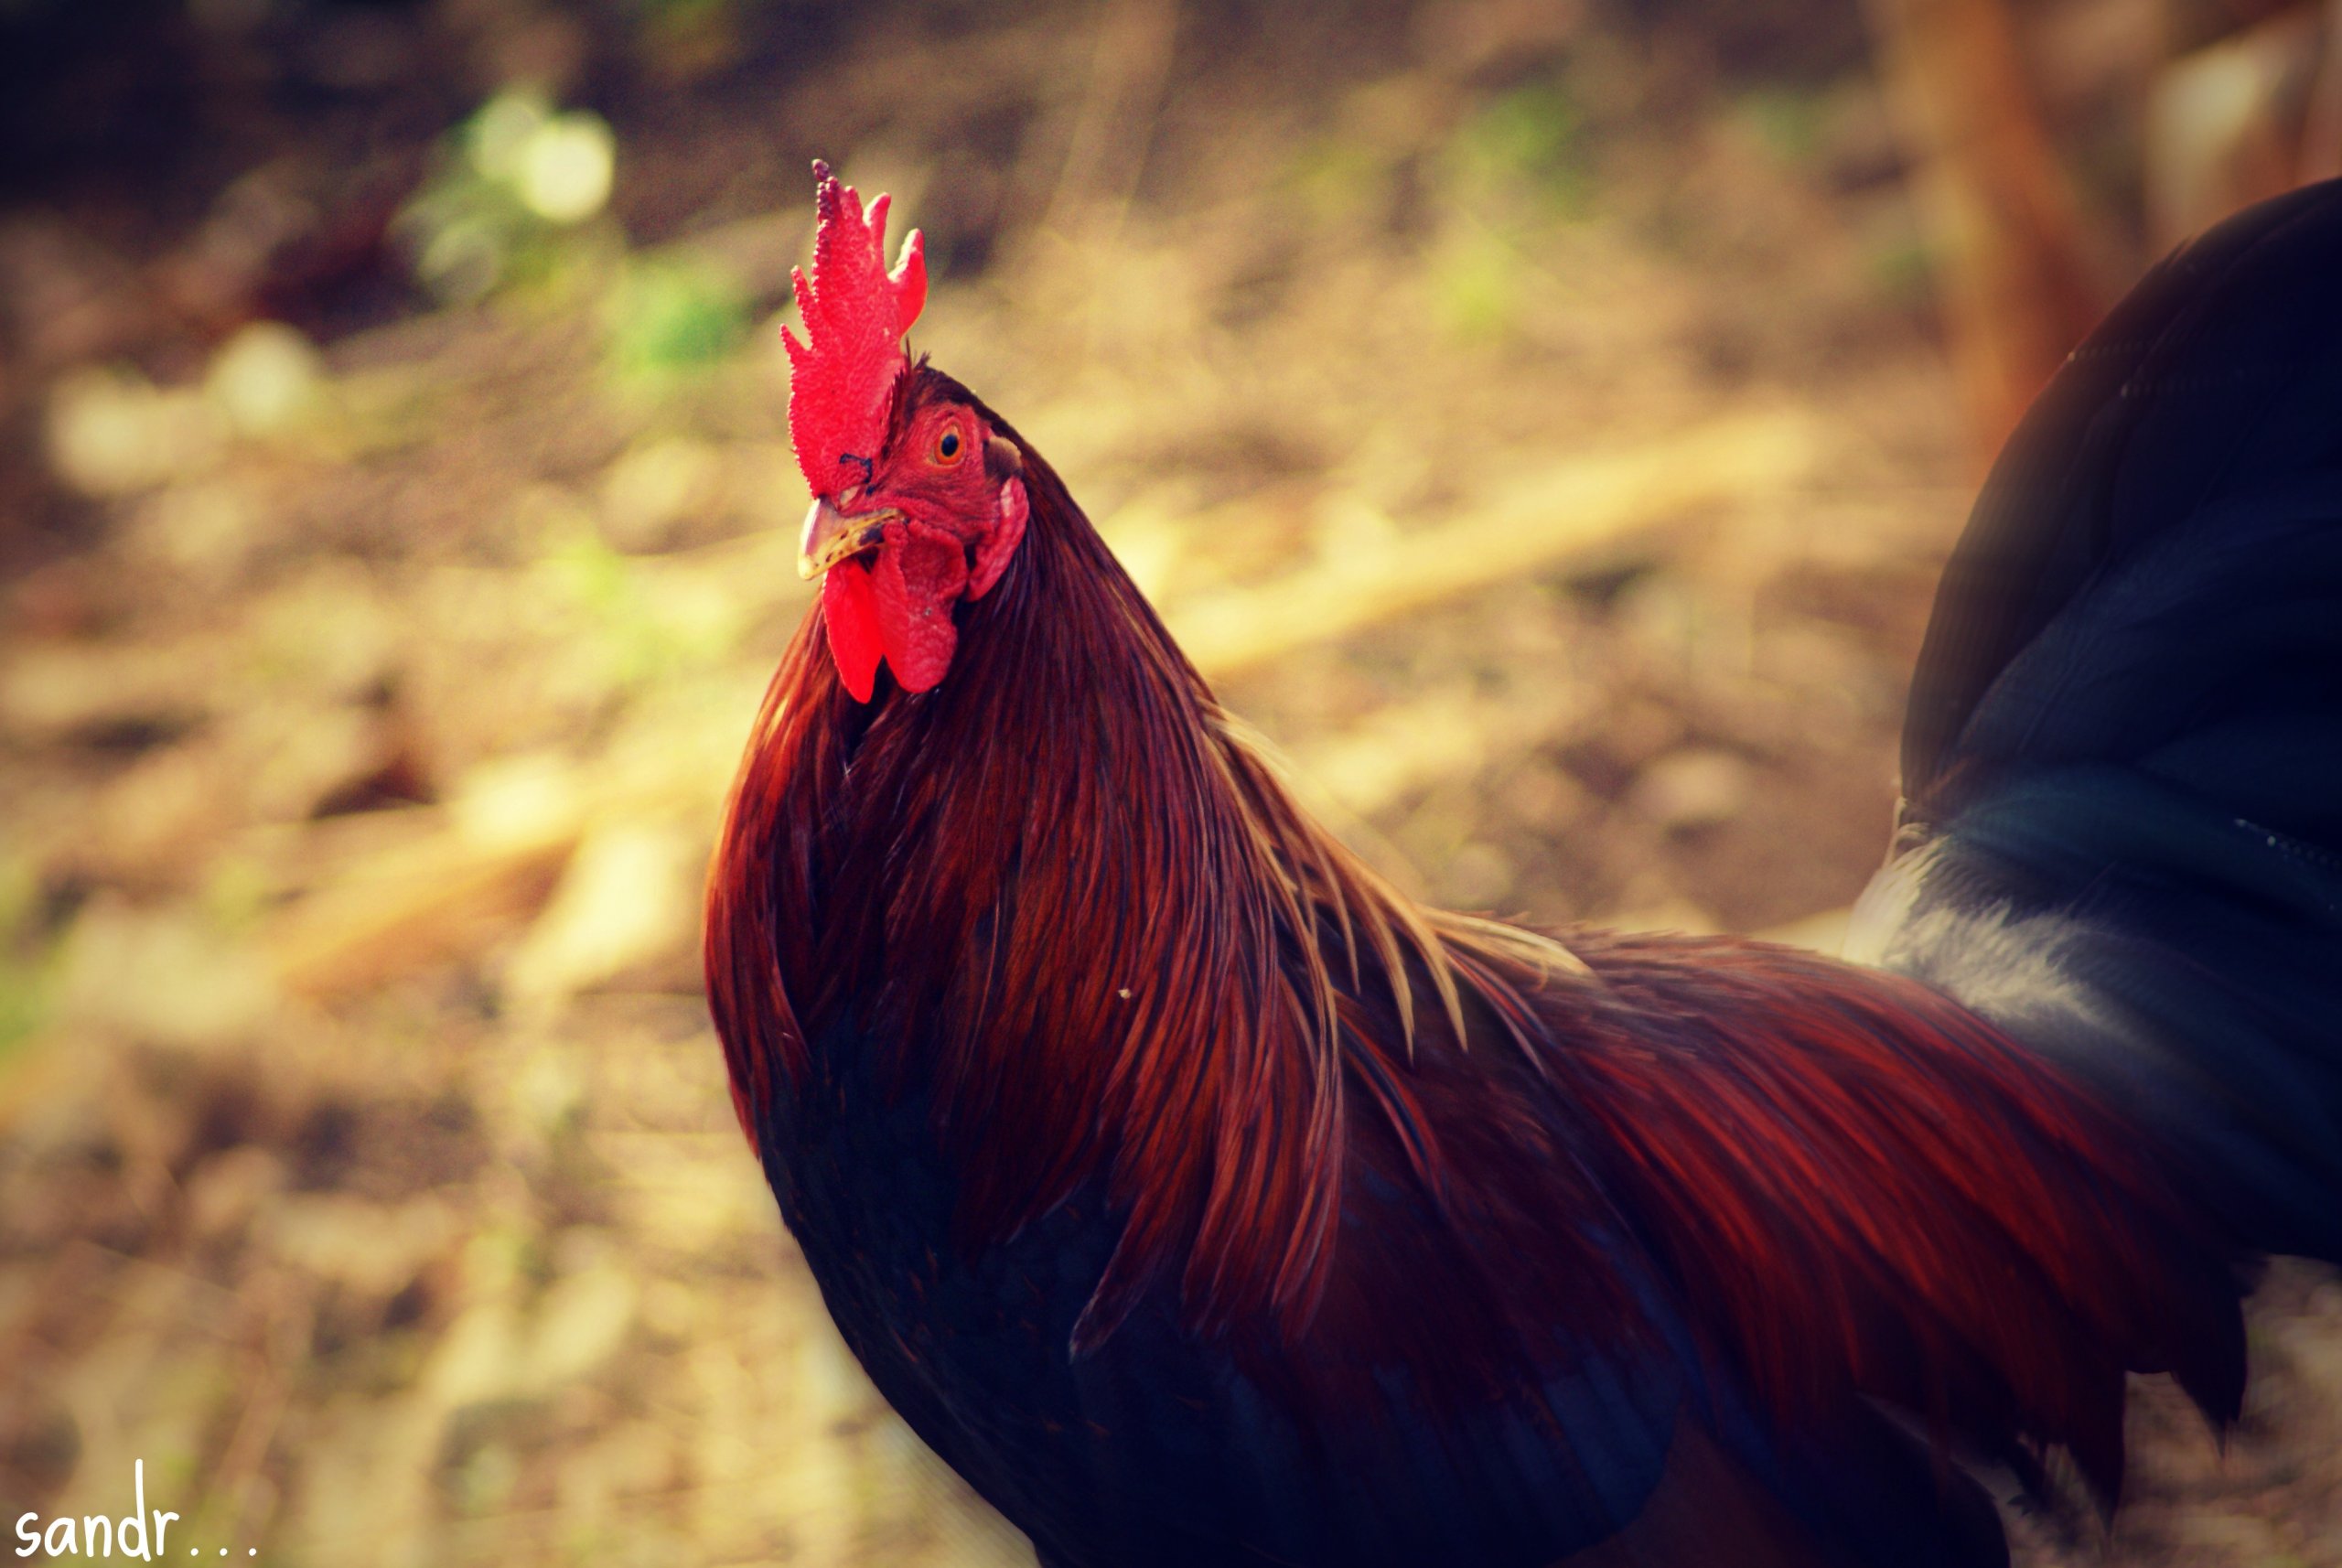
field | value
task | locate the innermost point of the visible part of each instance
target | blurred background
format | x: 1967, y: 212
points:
x: 397, y: 530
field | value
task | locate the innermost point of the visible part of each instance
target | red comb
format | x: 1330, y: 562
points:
x: 840, y: 378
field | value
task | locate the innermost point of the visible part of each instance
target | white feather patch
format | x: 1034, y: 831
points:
x: 2012, y: 969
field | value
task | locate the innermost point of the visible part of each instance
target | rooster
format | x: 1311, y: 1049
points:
x: 1202, y: 1200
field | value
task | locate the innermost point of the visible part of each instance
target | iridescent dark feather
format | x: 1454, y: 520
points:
x: 2123, y: 765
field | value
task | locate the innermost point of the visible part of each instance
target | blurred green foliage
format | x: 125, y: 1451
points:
x: 690, y: 38
x: 1789, y: 121
x: 1338, y: 178
x: 236, y: 894
x: 674, y: 316
x: 1475, y: 285
x: 26, y: 962
x: 1527, y: 144
x: 1517, y: 164
x: 1902, y: 267
x: 514, y: 203
x: 645, y: 627
x: 518, y: 177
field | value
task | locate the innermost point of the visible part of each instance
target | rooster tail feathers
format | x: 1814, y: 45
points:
x: 2123, y: 771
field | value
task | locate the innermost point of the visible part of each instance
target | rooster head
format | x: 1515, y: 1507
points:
x: 918, y: 502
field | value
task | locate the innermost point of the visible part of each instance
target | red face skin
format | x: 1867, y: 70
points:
x: 948, y: 508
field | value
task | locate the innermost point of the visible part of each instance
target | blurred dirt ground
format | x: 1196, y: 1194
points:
x: 1530, y: 414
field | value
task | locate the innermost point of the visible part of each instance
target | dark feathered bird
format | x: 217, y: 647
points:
x: 1203, y: 1202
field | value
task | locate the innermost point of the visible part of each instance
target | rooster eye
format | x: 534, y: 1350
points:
x: 947, y: 446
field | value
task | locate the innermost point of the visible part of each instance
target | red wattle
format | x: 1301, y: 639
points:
x: 850, y: 611
x: 915, y: 580
x: 898, y: 608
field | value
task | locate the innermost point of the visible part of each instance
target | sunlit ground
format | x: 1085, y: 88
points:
x: 1552, y: 457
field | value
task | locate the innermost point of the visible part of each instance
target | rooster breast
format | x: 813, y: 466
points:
x: 1163, y: 1449
x: 1160, y: 1447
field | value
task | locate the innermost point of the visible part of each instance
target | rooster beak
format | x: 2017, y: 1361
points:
x: 830, y: 536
